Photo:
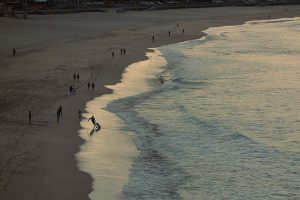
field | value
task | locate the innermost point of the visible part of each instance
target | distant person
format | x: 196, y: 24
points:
x: 79, y: 114
x: 71, y: 89
x: 113, y: 54
x: 96, y: 124
x: 77, y: 77
x: 152, y: 38
x: 92, y: 118
x: 182, y: 31
x: 29, y: 116
x: 124, y: 51
x: 169, y: 33
x: 59, y: 113
x: 14, y: 52
x: 93, y: 86
x: 269, y: 16
x: 121, y: 50
x: 74, y: 76
x: 89, y: 85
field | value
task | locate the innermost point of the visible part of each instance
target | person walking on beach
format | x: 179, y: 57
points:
x: 121, y: 51
x: 89, y: 85
x: 74, y: 76
x: 14, y: 52
x: 152, y: 38
x: 79, y: 114
x: 29, y: 116
x: 113, y: 54
x: 59, y: 113
x: 169, y: 33
x: 182, y: 31
x: 71, y: 89
x: 77, y: 77
x: 124, y: 51
x: 93, y: 85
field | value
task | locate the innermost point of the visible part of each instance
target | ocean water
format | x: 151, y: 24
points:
x: 221, y: 120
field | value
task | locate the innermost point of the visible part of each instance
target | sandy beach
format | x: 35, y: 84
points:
x: 37, y: 160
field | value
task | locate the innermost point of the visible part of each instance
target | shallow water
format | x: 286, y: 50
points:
x: 107, y: 155
x: 225, y: 122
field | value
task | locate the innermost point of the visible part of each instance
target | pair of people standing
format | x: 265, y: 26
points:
x: 76, y: 77
x: 91, y: 85
x: 123, y: 51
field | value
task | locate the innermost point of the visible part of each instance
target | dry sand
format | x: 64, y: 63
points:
x: 37, y: 161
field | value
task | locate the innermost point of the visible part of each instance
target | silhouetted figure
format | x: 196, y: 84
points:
x: 77, y: 77
x: 92, y: 118
x: 29, y: 116
x: 89, y: 85
x: 121, y: 51
x: 79, y: 114
x: 59, y: 113
x: 169, y: 33
x: 153, y: 38
x: 71, y: 89
x: 93, y: 86
x: 124, y: 51
x: 113, y: 54
x: 182, y: 31
x: 97, y: 126
x: 74, y: 76
x: 14, y: 52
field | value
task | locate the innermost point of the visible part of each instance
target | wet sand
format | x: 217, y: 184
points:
x: 37, y: 160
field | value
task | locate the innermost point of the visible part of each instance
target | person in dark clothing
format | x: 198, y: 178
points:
x: 29, y: 116
x: 169, y: 33
x: 121, y: 51
x: 124, y: 51
x: 113, y: 54
x: 93, y: 86
x: 92, y: 118
x: 74, y: 76
x: 77, y: 77
x: 14, y: 52
x: 89, y: 85
x: 59, y: 113
x: 182, y: 31
x: 153, y: 38
x: 71, y: 89
x: 97, y: 126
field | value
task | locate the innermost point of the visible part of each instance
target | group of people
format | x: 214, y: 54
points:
x: 122, y: 51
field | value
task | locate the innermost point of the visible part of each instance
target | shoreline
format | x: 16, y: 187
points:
x: 54, y: 146
x: 108, y: 154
